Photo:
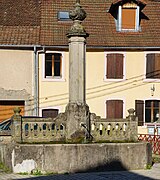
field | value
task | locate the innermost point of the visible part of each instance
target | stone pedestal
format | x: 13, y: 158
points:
x: 77, y: 126
x: 16, y: 125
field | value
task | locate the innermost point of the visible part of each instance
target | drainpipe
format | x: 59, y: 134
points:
x: 36, y: 83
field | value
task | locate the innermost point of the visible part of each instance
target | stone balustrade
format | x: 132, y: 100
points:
x: 42, y: 130
x: 38, y: 129
x: 117, y: 130
x: 120, y: 130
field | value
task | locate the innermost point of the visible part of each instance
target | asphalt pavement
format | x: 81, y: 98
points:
x: 146, y: 174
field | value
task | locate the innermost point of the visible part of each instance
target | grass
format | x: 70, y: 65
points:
x: 148, y: 166
x: 23, y: 173
x: 4, y: 168
x: 37, y: 173
x: 156, y: 158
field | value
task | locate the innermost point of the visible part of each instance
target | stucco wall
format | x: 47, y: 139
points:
x: 62, y: 158
x: 16, y: 70
x: 133, y: 87
x: 17, y: 77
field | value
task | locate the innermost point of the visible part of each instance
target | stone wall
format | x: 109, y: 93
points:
x: 64, y: 158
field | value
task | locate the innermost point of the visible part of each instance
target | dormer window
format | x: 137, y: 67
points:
x: 128, y: 17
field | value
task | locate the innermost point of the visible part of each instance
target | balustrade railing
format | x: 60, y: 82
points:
x: 38, y: 129
x: 114, y: 130
x: 42, y: 130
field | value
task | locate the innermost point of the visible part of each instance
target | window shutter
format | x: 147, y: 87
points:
x: 157, y: 66
x: 110, y: 66
x: 139, y: 107
x: 128, y: 18
x: 119, y: 66
x: 150, y: 66
x: 49, y: 113
x: 114, y: 108
x: 115, y: 66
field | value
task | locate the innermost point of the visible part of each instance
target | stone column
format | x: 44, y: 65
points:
x: 77, y: 63
x: 77, y: 110
x: 16, y: 127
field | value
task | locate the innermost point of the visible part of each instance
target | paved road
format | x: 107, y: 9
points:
x: 153, y: 174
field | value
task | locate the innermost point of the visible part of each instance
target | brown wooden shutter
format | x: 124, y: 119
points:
x: 157, y: 66
x: 49, y: 113
x: 150, y: 67
x: 114, y: 108
x: 114, y: 66
x: 128, y: 18
x: 110, y: 66
x: 119, y: 66
x: 139, y: 107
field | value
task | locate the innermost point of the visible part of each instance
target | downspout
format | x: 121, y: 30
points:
x: 36, y: 83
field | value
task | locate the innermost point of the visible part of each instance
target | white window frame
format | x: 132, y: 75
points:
x: 116, y: 98
x: 144, y: 107
x: 145, y: 67
x: 105, y: 66
x: 119, y: 21
x: 53, y: 78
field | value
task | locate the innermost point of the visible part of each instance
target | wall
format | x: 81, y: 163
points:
x: 133, y: 87
x: 62, y: 158
x: 16, y: 72
x: 53, y: 93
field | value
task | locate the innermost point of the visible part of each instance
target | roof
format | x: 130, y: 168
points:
x: 34, y: 22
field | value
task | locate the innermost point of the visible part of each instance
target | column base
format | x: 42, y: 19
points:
x: 77, y: 126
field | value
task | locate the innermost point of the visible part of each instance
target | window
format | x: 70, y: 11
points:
x: 50, y: 113
x: 63, y: 16
x: 53, y: 65
x: 6, y: 108
x: 114, y: 109
x: 151, y: 109
x: 114, y: 69
x: 128, y: 17
x: 153, y: 66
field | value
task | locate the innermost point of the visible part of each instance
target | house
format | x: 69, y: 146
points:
x: 122, y: 63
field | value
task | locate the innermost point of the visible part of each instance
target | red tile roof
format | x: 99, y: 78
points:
x: 34, y: 22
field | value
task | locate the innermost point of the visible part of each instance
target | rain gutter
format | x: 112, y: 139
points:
x: 88, y: 47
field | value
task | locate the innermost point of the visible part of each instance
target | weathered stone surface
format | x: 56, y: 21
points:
x: 77, y: 115
x: 62, y: 158
x: 77, y: 15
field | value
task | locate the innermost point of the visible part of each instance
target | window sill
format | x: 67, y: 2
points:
x: 151, y: 80
x: 128, y: 30
x: 113, y: 80
x: 54, y: 79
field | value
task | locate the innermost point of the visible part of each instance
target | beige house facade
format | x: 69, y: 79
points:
x: 16, y: 82
x: 134, y: 86
x: 122, y: 59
